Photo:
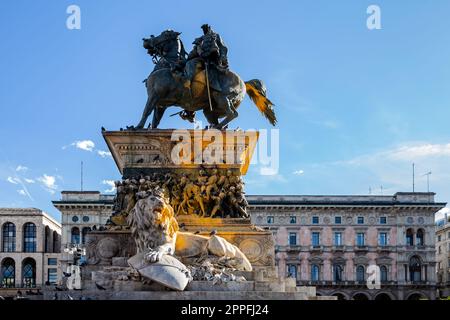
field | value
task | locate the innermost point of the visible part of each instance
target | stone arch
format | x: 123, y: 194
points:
x: 384, y: 296
x: 47, y: 240
x: 8, y: 237
x: 29, y: 237
x: 29, y: 273
x: 409, y: 239
x: 75, y: 235
x: 8, y: 273
x: 361, y: 296
x: 415, y: 263
x: 340, y: 295
x: 56, y: 242
x: 420, y: 237
x: 417, y: 295
x: 360, y: 273
x: 384, y: 273
x: 84, y: 232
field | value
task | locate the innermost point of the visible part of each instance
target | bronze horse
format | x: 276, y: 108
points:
x: 165, y: 88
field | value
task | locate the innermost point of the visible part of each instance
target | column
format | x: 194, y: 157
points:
x: 327, y: 273
x: 18, y: 271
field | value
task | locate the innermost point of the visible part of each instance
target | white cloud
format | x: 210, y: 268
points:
x: 21, y: 168
x: 104, y: 154
x: 87, y: 145
x: 22, y: 192
x: 29, y: 180
x: 111, y: 184
x: 13, y: 180
x: 409, y: 153
x: 298, y: 172
x: 49, y: 183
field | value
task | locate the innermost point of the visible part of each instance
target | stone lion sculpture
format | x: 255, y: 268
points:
x: 158, y: 239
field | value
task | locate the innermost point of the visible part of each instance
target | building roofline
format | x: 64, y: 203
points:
x: 31, y: 211
x: 343, y: 203
x: 58, y: 202
x: 80, y: 192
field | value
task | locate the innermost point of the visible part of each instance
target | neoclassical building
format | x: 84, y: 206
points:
x: 443, y: 256
x: 30, y: 242
x: 324, y: 241
x: 81, y: 211
x: 331, y: 241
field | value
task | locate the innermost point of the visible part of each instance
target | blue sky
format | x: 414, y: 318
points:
x: 355, y: 106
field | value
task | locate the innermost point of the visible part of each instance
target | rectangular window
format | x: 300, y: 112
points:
x: 315, y: 239
x: 52, y: 275
x: 360, y: 220
x: 439, y: 238
x: 293, y: 220
x: 360, y: 239
x: 338, y: 239
x: 337, y: 220
x: 270, y: 219
x: 292, y: 238
x: 383, y: 220
x: 52, y: 261
x: 315, y: 220
x: 382, y: 239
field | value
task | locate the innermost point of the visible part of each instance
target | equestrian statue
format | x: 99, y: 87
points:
x: 200, y: 80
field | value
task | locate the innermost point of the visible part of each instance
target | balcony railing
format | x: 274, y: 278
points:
x: 293, y: 247
x: 316, y: 247
x: 328, y: 283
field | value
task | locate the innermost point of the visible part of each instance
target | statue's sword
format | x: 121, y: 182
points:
x: 207, y: 86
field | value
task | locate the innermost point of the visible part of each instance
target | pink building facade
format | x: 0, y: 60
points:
x: 332, y: 242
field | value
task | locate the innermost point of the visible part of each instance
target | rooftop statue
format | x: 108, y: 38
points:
x: 200, y: 80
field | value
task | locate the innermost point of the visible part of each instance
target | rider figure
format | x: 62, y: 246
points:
x: 210, y: 49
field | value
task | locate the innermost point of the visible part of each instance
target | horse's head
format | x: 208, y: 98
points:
x: 157, y: 45
x: 150, y: 45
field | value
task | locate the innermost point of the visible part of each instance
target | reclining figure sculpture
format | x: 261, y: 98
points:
x: 162, y: 247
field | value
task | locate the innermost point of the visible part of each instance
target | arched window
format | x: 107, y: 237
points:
x: 415, y: 268
x: 409, y: 237
x: 75, y: 235
x: 56, y: 248
x: 84, y: 231
x: 420, y: 237
x: 360, y: 274
x: 9, y: 237
x: 29, y: 237
x: 383, y: 274
x: 8, y: 275
x: 337, y: 273
x: 292, y: 271
x: 29, y: 273
x: 47, y: 242
x: 315, y: 272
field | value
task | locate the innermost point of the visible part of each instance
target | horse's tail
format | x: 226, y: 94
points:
x: 257, y: 92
